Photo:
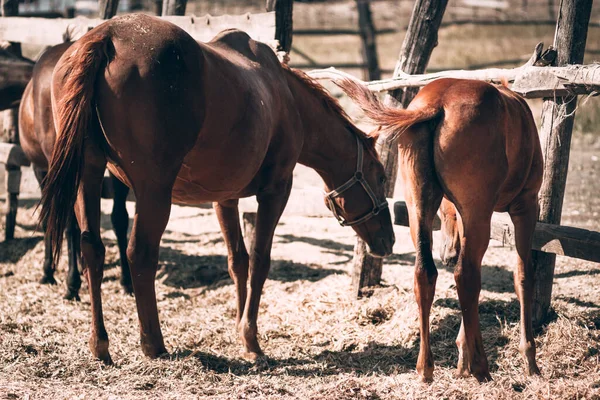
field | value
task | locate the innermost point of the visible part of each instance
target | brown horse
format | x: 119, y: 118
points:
x: 193, y: 122
x: 476, y: 145
x: 37, y: 135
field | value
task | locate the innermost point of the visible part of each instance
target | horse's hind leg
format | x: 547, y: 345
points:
x: 87, y: 209
x: 423, y: 197
x: 120, y: 222
x: 523, y: 212
x: 467, y: 274
x: 73, y: 244
x: 48, y: 268
x: 153, y: 206
x: 237, y: 261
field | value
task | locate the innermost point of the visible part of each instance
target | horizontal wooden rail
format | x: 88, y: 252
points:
x: 502, y: 22
x: 48, y: 32
x: 334, y: 32
x: 528, y: 81
x: 556, y: 239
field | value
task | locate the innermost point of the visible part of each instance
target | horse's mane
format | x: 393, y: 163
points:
x: 331, y: 104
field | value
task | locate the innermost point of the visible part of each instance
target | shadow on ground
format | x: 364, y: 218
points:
x: 13, y: 250
x: 186, y: 271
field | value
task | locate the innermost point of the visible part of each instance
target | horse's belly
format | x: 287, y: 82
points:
x: 190, y: 192
x: 215, y: 176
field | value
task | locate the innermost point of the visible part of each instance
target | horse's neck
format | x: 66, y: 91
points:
x: 329, y: 146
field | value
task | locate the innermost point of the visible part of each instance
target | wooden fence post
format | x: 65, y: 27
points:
x: 10, y: 8
x: 369, y: 40
x: 558, y: 115
x: 283, y: 23
x: 107, y: 8
x: 174, y: 7
x: 421, y: 38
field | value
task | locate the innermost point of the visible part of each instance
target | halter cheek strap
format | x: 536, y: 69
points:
x: 357, y: 178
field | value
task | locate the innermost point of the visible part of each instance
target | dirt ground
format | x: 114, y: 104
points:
x: 320, y: 342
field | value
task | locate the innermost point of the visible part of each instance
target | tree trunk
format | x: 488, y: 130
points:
x: 421, y: 38
x: 558, y: 115
x: 368, y: 37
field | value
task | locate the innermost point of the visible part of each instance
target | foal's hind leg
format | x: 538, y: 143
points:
x: 423, y: 197
x: 467, y: 274
x: 270, y: 208
x: 237, y: 261
x: 48, y: 268
x: 120, y: 222
x: 523, y: 212
x: 153, y: 206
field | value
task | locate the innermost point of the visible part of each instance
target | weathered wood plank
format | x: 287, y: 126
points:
x: 529, y: 81
x: 548, y: 238
x: 12, y: 155
x: 50, y: 32
x: 419, y: 42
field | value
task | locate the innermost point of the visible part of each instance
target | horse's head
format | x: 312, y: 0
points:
x: 450, y: 237
x: 361, y: 203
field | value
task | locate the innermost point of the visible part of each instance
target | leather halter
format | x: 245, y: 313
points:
x: 357, y: 178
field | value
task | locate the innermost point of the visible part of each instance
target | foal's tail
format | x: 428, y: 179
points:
x: 395, y: 119
x: 73, y: 110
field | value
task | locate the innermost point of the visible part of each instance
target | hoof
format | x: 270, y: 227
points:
x: 253, y: 356
x: 154, y: 350
x: 48, y: 280
x: 72, y: 296
x: 462, y: 373
x: 99, y: 349
x: 532, y: 370
x: 127, y: 288
x: 483, y: 377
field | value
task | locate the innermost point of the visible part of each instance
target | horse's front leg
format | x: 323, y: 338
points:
x: 237, y: 260
x: 270, y: 208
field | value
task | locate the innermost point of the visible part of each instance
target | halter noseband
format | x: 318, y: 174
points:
x: 357, y: 178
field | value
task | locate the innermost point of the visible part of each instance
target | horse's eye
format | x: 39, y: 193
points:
x: 383, y: 179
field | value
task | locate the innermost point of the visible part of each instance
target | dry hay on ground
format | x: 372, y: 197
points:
x: 321, y: 344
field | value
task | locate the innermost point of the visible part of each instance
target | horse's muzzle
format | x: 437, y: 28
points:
x: 382, y: 246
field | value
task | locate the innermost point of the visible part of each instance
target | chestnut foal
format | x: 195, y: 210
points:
x: 187, y: 122
x: 477, y: 146
x: 37, y: 135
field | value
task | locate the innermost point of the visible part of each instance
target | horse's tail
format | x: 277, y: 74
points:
x: 73, y: 110
x: 395, y: 119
